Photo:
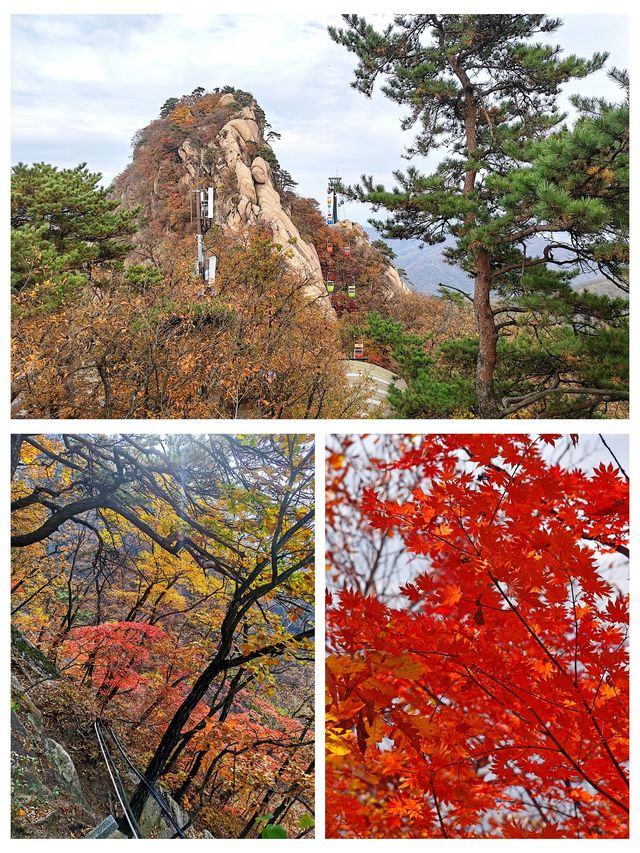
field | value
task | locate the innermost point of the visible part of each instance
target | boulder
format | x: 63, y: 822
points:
x: 246, y: 210
x: 188, y: 151
x: 230, y: 146
x: 153, y: 821
x: 64, y: 770
x: 246, y: 128
x: 261, y: 171
x: 244, y: 176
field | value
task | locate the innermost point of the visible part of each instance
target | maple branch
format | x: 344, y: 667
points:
x: 524, y: 622
x: 274, y: 648
x: 575, y: 628
x: 620, y: 549
x: 437, y: 805
x: 577, y: 767
x: 439, y: 699
x: 562, y: 670
x: 615, y: 458
x: 511, y: 474
x: 474, y: 756
x: 536, y: 804
x: 554, y: 740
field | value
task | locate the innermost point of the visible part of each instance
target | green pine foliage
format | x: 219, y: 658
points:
x: 65, y: 230
x: 482, y: 91
x: 433, y: 390
x: 168, y: 107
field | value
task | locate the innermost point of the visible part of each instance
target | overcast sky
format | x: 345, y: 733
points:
x: 83, y: 84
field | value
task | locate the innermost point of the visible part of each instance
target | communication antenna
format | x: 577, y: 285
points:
x: 204, y: 210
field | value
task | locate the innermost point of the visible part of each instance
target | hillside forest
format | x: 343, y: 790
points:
x: 163, y: 586
x: 477, y: 637
x: 111, y: 319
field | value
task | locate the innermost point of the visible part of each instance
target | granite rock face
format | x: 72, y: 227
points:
x: 224, y: 146
x: 64, y: 770
x: 246, y: 194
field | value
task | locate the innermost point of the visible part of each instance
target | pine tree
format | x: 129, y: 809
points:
x: 483, y: 91
x: 168, y: 107
x: 65, y: 227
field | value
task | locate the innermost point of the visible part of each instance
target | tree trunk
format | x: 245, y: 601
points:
x: 224, y: 707
x: 485, y: 321
x: 171, y: 737
x: 487, y: 339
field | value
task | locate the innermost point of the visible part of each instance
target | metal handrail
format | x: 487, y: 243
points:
x: 102, y: 728
x: 145, y: 782
x: 117, y: 784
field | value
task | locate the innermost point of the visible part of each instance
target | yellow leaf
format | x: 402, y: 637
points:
x: 337, y: 745
x: 403, y: 666
x: 344, y: 665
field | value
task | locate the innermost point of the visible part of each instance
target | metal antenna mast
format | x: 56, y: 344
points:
x: 204, y: 208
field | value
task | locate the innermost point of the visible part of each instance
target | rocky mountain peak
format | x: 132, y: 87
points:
x: 220, y: 140
x: 214, y: 140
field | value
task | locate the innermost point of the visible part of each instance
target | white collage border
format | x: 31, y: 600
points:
x: 320, y: 429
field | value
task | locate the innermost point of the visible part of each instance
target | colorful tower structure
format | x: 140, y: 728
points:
x: 332, y: 200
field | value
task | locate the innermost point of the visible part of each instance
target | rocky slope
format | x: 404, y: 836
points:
x: 361, y: 247
x: 60, y: 787
x: 220, y: 140
x: 48, y: 798
x: 256, y: 200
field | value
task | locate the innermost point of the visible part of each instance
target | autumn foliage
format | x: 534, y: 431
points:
x: 112, y: 653
x: 168, y: 583
x: 121, y: 326
x: 489, y: 697
x: 168, y: 350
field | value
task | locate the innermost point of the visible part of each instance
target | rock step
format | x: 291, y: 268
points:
x: 106, y: 829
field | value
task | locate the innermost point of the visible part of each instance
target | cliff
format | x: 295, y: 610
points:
x: 220, y: 139
x: 358, y: 239
x: 214, y: 140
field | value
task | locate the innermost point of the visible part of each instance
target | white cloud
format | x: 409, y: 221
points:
x: 82, y: 85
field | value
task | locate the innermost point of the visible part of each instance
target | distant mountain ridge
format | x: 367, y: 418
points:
x: 426, y: 267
